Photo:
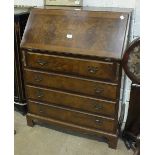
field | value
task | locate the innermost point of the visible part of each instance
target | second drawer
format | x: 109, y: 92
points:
x: 78, y: 102
x: 72, y: 84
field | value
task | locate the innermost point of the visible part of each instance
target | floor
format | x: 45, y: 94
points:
x: 41, y: 140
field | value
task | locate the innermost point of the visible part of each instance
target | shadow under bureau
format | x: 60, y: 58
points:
x: 72, y: 68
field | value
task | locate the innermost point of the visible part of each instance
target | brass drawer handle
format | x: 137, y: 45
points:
x: 42, y: 62
x: 98, y: 90
x: 98, y: 121
x: 38, y: 79
x: 92, y: 69
x: 41, y: 110
x: 98, y: 106
x: 39, y: 94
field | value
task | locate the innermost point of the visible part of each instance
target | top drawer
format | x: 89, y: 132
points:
x: 107, y: 71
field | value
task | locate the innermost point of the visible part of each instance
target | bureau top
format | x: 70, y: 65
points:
x: 89, y: 32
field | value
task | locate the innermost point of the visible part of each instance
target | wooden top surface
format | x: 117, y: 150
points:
x: 83, y: 32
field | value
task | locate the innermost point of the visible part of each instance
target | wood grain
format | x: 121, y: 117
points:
x: 72, y: 116
x: 93, y: 33
x: 68, y: 100
x: 83, y: 86
x: 73, y: 68
x: 80, y: 67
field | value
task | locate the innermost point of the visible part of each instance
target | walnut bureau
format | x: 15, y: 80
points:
x: 72, y: 68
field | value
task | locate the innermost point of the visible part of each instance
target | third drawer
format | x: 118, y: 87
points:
x: 74, y: 101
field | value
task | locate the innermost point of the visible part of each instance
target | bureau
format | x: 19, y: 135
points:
x: 72, y: 68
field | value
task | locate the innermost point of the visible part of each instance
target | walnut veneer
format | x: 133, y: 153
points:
x: 72, y: 68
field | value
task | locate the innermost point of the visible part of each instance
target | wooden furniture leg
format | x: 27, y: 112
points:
x: 112, y: 142
x: 29, y: 121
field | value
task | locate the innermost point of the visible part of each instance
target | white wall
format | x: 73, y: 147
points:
x: 137, y: 18
x: 110, y: 3
x: 29, y: 2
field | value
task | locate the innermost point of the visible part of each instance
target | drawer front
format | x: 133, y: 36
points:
x: 72, y: 84
x: 78, y: 102
x: 94, y: 69
x: 71, y: 116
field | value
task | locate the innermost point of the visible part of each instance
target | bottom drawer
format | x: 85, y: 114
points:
x: 72, y: 116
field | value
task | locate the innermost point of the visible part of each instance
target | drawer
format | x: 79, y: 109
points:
x: 107, y: 71
x: 87, y: 104
x: 72, y: 116
x: 72, y: 84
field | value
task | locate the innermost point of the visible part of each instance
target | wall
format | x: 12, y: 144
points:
x: 29, y: 2
x: 110, y: 3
